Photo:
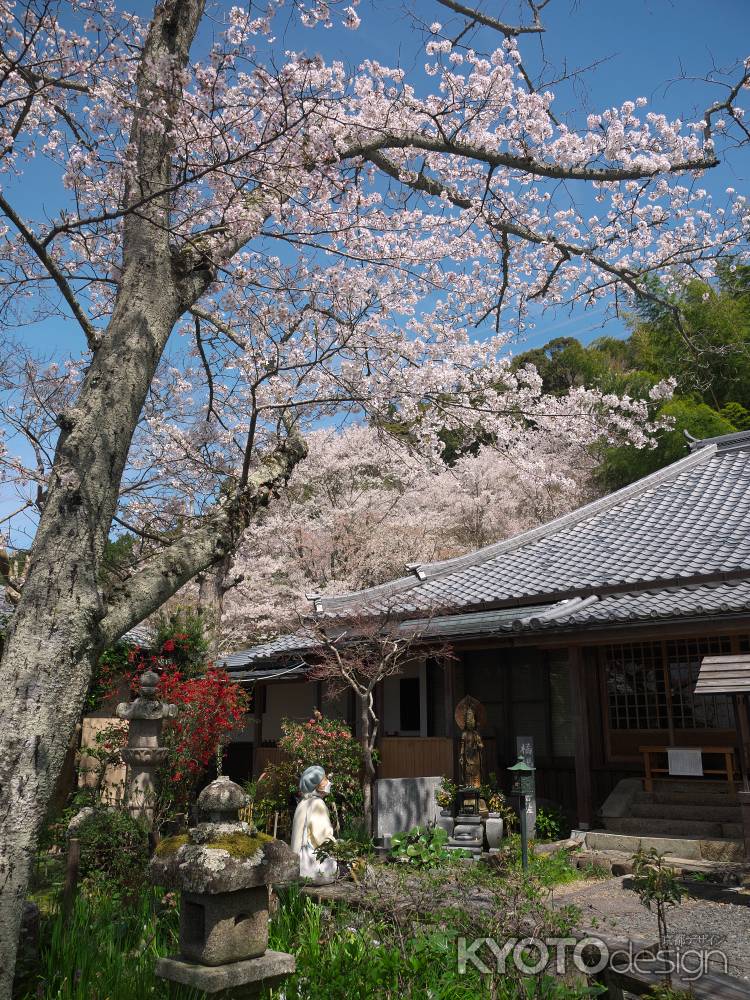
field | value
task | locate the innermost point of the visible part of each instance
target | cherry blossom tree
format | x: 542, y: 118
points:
x: 249, y: 241
x: 360, y: 507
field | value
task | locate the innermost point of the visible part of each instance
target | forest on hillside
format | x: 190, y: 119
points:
x: 703, y: 344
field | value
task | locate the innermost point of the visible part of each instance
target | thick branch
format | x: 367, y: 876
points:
x: 526, y: 164
x: 198, y: 312
x: 195, y: 551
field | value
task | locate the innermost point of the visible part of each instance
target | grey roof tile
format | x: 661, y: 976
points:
x: 674, y: 545
x: 688, y: 520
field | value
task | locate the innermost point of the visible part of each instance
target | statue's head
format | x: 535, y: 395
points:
x: 471, y: 720
x: 314, y: 779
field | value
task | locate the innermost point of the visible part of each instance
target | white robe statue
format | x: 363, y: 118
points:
x: 312, y: 827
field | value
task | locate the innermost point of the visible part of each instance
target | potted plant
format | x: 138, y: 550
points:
x: 445, y: 796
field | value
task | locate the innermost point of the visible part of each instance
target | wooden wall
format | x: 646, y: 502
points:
x: 414, y: 757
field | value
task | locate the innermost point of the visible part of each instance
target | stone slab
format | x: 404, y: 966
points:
x: 405, y: 802
x: 236, y: 979
x: 619, y: 801
x: 683, y: 848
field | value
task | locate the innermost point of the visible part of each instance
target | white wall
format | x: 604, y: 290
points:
x: 287, y: 701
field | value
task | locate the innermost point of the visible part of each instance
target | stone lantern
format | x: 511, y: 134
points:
x: 145, y: 715
x: 223, y: 868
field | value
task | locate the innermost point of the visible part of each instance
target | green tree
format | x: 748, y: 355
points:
x: 623, y: 465
x: 709, y: 353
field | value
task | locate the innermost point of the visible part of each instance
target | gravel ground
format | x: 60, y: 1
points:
x: 612, y: 910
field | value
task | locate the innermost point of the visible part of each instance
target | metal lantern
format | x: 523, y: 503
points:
x: 523, y: 786
x: 523, y: 777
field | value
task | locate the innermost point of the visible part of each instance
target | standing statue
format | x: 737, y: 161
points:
x: 469, y: 716
x: 312, y: 826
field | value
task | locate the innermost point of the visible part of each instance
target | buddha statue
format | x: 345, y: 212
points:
x: 312, y: 827
x: 471, y: 750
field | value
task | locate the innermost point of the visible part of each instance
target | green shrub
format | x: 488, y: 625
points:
x: 551, y: 823
x: 423, y: 847
x: 328, y: 742
x: 114, y: 852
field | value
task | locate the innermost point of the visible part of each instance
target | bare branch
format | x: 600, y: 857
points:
x: 509, y: 30
x: 93, y: 336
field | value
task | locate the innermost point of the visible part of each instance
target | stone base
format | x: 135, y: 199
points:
x: 234, y: 981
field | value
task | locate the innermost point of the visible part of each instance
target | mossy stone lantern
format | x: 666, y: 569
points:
x: 223, y: 868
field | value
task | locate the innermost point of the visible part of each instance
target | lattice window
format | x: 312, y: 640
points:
x: 649, y: 681
x: 683, y: 663
x: 636, y: 688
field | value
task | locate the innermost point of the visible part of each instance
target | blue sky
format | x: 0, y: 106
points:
x: 641, y: 48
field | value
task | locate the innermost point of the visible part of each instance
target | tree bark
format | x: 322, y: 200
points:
x: 55, y: 634
x: 368, y: 774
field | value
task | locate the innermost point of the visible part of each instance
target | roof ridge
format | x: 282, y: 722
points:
x: 722, y: 441
x: 323, y: 603
x: 432, y: 571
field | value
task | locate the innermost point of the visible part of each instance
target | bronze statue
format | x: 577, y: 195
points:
x: 470, y: 715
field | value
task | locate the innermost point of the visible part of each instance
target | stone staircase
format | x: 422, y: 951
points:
x: 682, y: 818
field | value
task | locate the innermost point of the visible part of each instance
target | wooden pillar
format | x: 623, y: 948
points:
x: 742, y: 719
x: 257, y: 733
x: 580, y: 686
x: 449, y: 706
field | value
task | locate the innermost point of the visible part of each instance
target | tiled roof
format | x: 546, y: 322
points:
x: 283, y: 647
x: 672, y: 546
x: 697, y: 601
x: 688, y: 522
x: 141, y: 635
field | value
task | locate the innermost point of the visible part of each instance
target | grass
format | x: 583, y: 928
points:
x: 104, y: 949
x: 549, y: 869
x: 107, y: 946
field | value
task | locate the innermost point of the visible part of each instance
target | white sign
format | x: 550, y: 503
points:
x: 685, y: 761
x: 525, y: 749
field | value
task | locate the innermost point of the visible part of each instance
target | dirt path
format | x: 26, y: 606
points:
x: 612, y: 910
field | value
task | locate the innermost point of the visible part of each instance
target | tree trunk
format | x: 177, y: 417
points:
x: 213, y: 586
x: 55, y: 637
x: 368, y: 772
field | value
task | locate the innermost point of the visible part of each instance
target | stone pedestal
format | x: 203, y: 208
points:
x: 493, y: 831
x: 445, y: 821
x: 225, y: 927
x: 223, y: 868
x: 238, y: 981
x: 145, y: 716
x: 468, y: 834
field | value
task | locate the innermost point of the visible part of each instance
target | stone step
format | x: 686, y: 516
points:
x: 691, y: 848
x: 683, y: 799
x: 671, y: 827
x: 703, y: 786
x: 719, y: 812
x: 698, y: 793
x: 621, y: 863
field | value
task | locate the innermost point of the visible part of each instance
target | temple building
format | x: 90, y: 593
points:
x: 585, y: 634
